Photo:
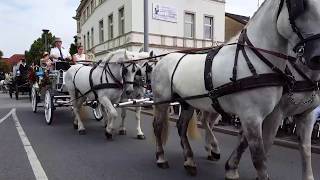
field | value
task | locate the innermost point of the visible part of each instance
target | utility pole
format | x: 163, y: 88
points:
x: 45, y: 31
x: 146, y: 27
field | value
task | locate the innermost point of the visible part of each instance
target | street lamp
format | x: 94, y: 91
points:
x: 146, y: 27
x: 45, y: 31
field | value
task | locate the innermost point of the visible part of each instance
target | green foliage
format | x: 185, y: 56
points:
x: 38, y: 47
x: 73, y: 47
x: 1, y: 54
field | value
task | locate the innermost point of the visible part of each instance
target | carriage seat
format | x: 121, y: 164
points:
x: 62, y: 65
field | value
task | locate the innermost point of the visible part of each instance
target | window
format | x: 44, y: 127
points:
x: 110, y: 28
x: 87, y: 12
x: 121, y: 21
x: 84, y: 15
x: 88, y: 40
x: 101, y: 32
x: 189, y: 28
x: 208, y: 27
x: 92, y: 37
x: 92, y: 6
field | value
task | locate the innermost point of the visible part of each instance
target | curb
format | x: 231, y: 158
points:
x: 277, y: 141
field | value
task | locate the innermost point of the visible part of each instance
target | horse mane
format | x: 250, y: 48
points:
x: 109, y: 56
x: 252, y: 19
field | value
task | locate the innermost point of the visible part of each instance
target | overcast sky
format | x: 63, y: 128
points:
x: 22, y: 21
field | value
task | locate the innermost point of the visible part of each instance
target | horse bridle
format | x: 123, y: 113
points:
x: 125, y: 72
x: 148, y: 70
x: 295, y: 9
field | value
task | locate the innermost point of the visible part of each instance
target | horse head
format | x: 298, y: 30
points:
x: 129, y: 69
x: 298, y: 22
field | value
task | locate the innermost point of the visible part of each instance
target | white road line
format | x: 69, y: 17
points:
x: 6, y: 116
x: 33, y: 159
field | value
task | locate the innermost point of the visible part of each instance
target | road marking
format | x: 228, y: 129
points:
x: 6, y: 116
x: 37, y: 169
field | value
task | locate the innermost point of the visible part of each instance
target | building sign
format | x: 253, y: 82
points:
x: 164, y: 13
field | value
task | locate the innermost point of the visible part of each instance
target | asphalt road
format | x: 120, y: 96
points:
x: 65, y: 155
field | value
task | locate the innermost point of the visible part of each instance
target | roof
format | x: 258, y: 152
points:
x: 80, y: 7
x: 241, y: 19
x: 14, y: 59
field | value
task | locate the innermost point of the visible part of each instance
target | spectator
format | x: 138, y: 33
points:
x: 80, y: 56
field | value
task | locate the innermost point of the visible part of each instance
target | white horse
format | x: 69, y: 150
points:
x: 268, y: 29
x: 297, y: 104
x: 139, y: 91
x: 109, y: 79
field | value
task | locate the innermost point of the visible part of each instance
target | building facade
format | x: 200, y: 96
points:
x: 106, y: 25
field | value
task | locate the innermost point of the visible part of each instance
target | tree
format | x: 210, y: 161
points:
x: 38, y: 47
x: 1, y: 54
x: 73, y: 47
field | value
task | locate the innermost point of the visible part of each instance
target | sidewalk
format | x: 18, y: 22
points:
x: 286, y: 141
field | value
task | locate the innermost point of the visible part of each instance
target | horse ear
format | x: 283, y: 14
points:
x: 126, y: 54
x: 141, y: 50
x: 151, y: 54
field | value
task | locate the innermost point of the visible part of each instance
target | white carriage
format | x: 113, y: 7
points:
x: 55, y: 94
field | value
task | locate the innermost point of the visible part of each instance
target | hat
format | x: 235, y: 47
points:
x: 45, y: 53
x: 57, y: 39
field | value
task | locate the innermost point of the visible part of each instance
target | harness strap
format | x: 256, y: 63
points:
x: 74, y: 82
x: 112, y: 76
x: 174, y: 71
x: 208, y: 67
x: 91, y: 82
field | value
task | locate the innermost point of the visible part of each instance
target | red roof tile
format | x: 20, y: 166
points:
x: 14, y: 59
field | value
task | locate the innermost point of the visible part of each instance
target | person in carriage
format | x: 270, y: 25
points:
x: 81, y: 57
x: 59, y: 54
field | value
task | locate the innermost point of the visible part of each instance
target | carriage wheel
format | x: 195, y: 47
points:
x: 97, y: 113
x: 48, y: 107
x: 34, y: 99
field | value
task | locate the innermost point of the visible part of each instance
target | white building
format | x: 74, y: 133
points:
x: 106, y: 25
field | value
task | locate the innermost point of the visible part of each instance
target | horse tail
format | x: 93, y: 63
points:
x: 164, y: 121
x: 193, y: 131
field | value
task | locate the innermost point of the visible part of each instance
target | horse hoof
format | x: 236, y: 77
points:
x: 82, y: 132
x: 213, y: 157
x: 141, y: 137
x: 108, y: 136
x: 163, y: 165
x: 75, y: 126
x: 192, y: 171
x: 122, y: 132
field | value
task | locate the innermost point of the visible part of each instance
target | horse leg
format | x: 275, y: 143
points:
x: 212, y: 144
x: 77, y: 123
x: 122, y: 129
x: 252, y: 130
x: 140, y: 134
x: 232, y: 164
x: 182, y: 125
x: 111, y: 115
x: 160, y: 128
x: 270, y: 127
x: 305, y: 124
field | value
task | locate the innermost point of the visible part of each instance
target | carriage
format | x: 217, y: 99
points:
x: 19, y: 84
x: 50, y: 90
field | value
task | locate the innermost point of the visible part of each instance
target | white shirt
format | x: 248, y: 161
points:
x: 55, y: 51
x: 81, y: 57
